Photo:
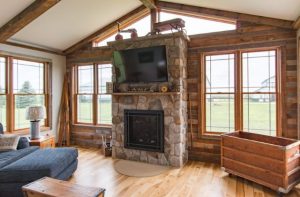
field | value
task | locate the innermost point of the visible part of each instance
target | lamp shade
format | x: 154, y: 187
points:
x: 36, y: 113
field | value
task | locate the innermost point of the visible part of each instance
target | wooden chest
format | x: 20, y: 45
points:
x: 269, y: 161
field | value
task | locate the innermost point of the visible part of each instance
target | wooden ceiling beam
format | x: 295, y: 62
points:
x: 111, y: 28
x: 225, y: 14
x: 296, y: 24
x: 149, y: 4
x: 30, y: 13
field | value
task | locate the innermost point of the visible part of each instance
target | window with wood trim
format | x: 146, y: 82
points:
x: 142, y: 26
x: 240, y: 92
x: 92, y: 105
x: 195, y: 24
x: 3, y: 91
x: 219, y: 93
x: 26, y: 83
x: 104, y: 115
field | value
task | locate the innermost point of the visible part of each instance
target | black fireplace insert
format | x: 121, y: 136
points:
x: 144, y: 130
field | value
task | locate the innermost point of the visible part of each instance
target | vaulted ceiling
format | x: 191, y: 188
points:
x: 70, y: 21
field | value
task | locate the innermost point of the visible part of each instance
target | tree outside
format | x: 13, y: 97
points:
x: 24, y: 101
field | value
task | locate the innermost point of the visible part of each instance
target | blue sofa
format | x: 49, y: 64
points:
x: 20, y: 167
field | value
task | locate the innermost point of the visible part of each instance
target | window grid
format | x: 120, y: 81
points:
x: 255, y: 80
x: 98, y: 111
x: 104, y: 101
x: 268, y: 95
x: 24, y: 85
x: 3, y: 92
x: 216, y: 95
x: 28, y: 89
x: 85, y: 91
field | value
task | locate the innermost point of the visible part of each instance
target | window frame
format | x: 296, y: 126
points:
x: 10, y: 95
x: 95, y: 94
x: 238, y: 91
x: 6, y: 89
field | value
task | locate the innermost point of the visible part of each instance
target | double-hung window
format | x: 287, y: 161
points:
x: 92, y: 103
x: 239, y: 91
x: 23, y: 83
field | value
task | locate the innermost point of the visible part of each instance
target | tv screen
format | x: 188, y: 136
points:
x: 141, y: 65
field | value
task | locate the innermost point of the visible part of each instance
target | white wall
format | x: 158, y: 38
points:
x: 58, y: 71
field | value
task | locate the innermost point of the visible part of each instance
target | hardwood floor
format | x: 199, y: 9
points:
x: 194, y: 179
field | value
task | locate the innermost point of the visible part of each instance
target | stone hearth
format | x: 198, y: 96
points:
x: 174, y: 104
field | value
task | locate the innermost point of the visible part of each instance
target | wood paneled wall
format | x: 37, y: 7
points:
x: 89, y: 136
x: 246, y: 36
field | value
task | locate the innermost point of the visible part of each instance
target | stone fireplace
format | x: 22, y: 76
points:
x: 151, y: 126
x: 144, y: 130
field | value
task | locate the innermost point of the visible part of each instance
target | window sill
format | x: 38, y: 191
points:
x: 93, y: 126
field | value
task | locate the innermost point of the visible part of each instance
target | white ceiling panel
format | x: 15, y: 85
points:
x: 70, y: 21
x: 10, y: 8
x: 282, y: 9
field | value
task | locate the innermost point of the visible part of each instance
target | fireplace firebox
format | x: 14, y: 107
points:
x: 144, y: 130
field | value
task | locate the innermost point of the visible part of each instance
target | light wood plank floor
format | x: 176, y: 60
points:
x: 194, y: 179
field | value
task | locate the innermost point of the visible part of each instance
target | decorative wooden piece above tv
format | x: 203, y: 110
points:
x: 174, y: 24
x: 269, y: 161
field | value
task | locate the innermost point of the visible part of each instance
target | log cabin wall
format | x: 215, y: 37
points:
x: 246, y: 36
x: 298, y: 77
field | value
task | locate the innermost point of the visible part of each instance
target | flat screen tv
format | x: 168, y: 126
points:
x: 141, y: 65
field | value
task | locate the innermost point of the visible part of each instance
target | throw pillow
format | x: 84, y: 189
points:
x: 23, y: 143
x: 8, y: 142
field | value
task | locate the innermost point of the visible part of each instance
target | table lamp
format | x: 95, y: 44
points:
x: 35, y: 114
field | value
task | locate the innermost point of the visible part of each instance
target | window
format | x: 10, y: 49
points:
x: 259, y: 92
x: 93, y: 105
x: 3, y: 91
x: 196, y: 25
x: 219, y: 94
x: 20, y: 87
x: 85, y: 94
x: 240, y: 95
x: 104, y: 101
x: 193, y: 25
x: 28, y: 89
x: 142, y: 26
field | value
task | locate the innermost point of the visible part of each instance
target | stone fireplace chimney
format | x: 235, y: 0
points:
x: 172, y: 104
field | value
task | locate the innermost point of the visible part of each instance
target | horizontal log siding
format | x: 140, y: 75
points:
x: 247, y: 36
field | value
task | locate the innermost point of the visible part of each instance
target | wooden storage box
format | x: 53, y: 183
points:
x: 269, y: 161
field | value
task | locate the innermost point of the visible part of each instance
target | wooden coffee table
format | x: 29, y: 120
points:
x: 46, y: 187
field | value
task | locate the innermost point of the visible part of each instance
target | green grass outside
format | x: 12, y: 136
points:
x: 258, y: 115
x: 104, y: 113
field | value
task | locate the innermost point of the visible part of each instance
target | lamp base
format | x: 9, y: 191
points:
x: 35, y: 129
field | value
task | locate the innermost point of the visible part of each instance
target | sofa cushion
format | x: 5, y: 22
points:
x: 9, y: 157
x: 1, y: 128
x: 43, y: 162
x: 23, y: 143
x: 8, y: 142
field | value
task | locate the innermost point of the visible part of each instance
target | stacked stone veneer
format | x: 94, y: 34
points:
x: 173, y: 105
